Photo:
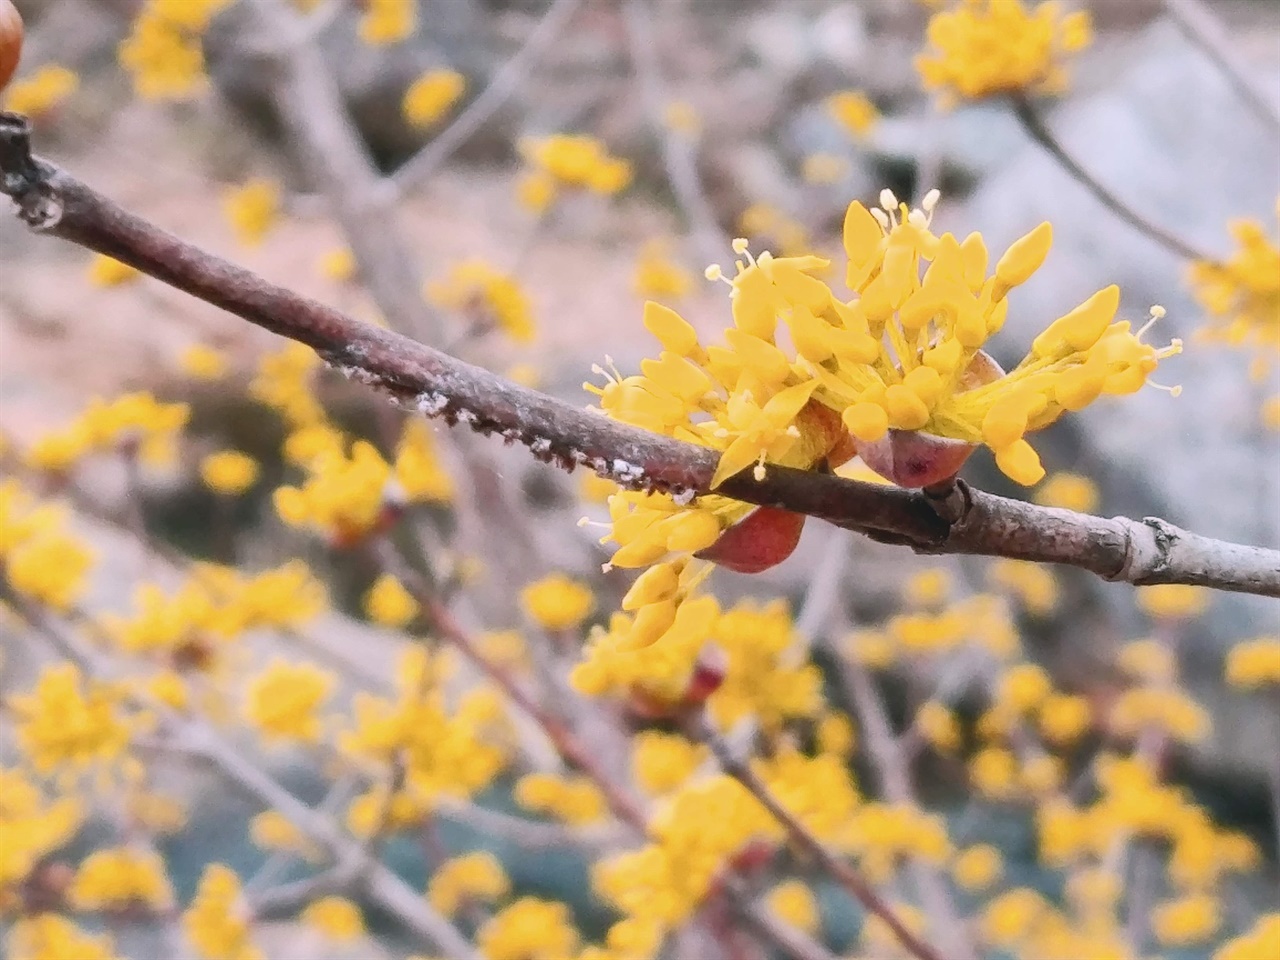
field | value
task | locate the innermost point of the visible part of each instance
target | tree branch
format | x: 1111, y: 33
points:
x: 957, y: 520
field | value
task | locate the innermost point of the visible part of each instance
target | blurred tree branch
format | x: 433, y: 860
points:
x: 957, y: 519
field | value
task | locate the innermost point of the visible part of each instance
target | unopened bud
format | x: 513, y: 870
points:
x: 10, y: 40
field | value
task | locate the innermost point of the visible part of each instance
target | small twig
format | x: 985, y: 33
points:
x: 1197, y: 22
x: 679, y: 149
x: 844, y: 873
x: 420, y: 167
x: 396, y: 896
x: 433, y: 383
x: 1039, y: 131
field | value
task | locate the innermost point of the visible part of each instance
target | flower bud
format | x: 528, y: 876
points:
x: 10, y: 40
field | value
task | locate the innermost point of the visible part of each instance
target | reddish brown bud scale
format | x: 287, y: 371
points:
x: 764, y: 538
x: 10, y: 41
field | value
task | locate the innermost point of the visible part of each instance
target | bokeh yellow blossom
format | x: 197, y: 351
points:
x: 430, y: 97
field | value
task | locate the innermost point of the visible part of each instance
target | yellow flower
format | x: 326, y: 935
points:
x: 283, y: 383
x: 487, y: 296
x: 575, y: 800
x: 794, y: 902
x: 536, y: 191
x: 162, y: 53
x: 1254, y: 663
x: 418, y: 468
x: 1188, y: 920
x: 338, y: 265
x: 1242, y: 295
x: 854, y: 111
x: 229, y: 472
x: 994, y: 772
x: 252, y: 209
x: 202, y: 362
x: 67, y: 720
x: 1170, y: 711
x: 390, y: 604
x: 47, y: 936
x: 216, y: 923
x: 657, y: 275
x: 661, y: 762
x: 1149, y: 660
x: 938, y: 726
x: 42, y: 91
x: 344, y: 496
x: 1064, y: 718
x: 529, y: 928
x: 1033, y: 584
x: 1012, y: 916
x: 107, y: 272
x: 824, y: 168
x: 557, y: 602
x: 978, y: 867
x: 982, y: 48
x: 577, y: 161
x: 119, y: 878
x: 388, y: 21
x: 335, y: 917
x: 835, y: 734
x: 283, y: 699
x: 33, y: 825
x: 928, y: 588
x: 1070, y: 491
x: 1262, y: 940
x: 430, y: 97
x: 473, y: 877
x: 272, y: 830
x: 1173, y: 601
x: 1024, y: 687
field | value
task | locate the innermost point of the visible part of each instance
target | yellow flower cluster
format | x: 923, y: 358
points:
x: 981, y: 620
x: 882, y: 834
x: 42, y: 91
x: 47, y: 936
x: 658, y: 276
x: 746, y: 660
x: 557, y: 602
x: 68, y: 721
x: 489, y: 298
x: 388, y: 21
x: 120, y: 878
x: 445, y: 752
x: 569, y: 161
x: 32, y: 826
x: 272, y: 830
x: 344, y: 496
x: 1242, y: 294
x: 132, y: 419
x: 1071, y: 491
x: 529, y: 928
x: 214, y: 605
x: 1033, y: 584
x: 162, y: 53
x: 284, y: 383
x: 794, y: 902
x: 471, y: 878
x: 575, y: 800
x: 430, y: 97
x: 216, y: 922
x: 1173, y: 601
x: 39, y: 558
x: 1254, y: 663
x: 252, y: 209
x: 982, y: 48
x: 854, y: 111
x: 282, y: 700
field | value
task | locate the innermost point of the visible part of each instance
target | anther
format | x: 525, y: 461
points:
x: 888, y: 200
x: 931, y: 200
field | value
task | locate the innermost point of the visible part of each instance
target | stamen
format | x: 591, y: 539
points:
x: 1174, y: 391
x: 918, y: 218
x: 1157, y: 313
x: 931, y: 200
x: 740, y: 245
x: 713, y: 272
x: 888, y: 200
x: 882, y: 218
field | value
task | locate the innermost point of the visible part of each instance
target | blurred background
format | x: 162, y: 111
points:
x: 723, y: 113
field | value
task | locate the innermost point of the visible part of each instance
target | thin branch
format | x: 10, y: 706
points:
x: 1197, y: 22
x: 1033, y: 123
x: 844, y: 873
x: 421, y: 166
x: 679, y: 149
x: 417, y: 377
x: 396, y: 896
